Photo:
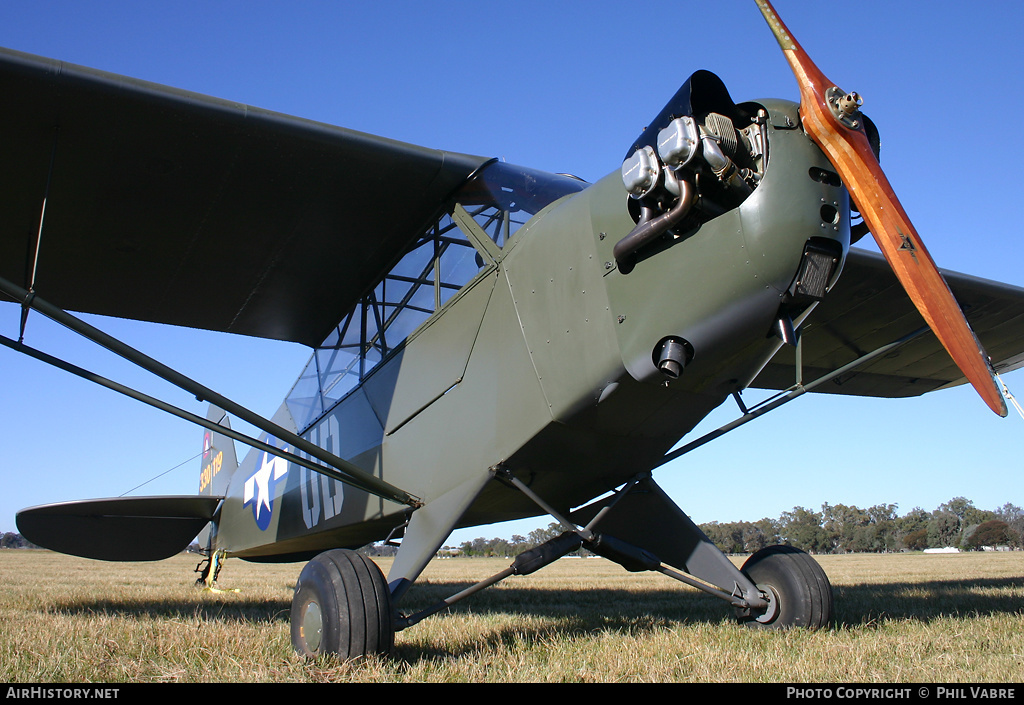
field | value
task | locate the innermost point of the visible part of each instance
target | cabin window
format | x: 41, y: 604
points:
x: 442, y: 260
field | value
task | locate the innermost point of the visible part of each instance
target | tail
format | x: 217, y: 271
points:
x: 139, y: 528
x: 219, y: 459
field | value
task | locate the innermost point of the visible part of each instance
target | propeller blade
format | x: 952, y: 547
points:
x: 832, y: 119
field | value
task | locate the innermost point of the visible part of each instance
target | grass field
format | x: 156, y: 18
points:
x: 899, y: 618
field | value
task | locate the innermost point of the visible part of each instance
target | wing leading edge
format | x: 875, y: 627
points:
x: 868, y: 308
x: 169, y: 206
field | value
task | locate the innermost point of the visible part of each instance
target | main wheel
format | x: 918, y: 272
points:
x: 342, y: 606
x: 799, y: 593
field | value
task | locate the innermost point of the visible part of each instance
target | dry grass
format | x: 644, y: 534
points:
x: 900, y: 618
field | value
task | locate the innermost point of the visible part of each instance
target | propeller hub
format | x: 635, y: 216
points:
x: 850, y: 103
x: 845, y: 107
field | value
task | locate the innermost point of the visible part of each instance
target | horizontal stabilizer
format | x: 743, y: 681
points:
x: 121, y: 529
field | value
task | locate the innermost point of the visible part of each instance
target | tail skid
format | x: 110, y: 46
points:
x: 207, y: 579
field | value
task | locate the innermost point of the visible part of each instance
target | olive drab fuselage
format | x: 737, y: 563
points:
x: 542, y: 365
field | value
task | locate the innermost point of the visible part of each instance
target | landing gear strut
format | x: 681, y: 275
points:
x: 342, y: 606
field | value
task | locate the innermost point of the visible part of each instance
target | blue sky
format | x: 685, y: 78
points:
x: 561, y: 86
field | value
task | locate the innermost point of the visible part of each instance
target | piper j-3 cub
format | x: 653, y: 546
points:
x: 504, y: 343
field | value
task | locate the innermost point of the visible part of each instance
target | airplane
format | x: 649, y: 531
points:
x: 506, y: 343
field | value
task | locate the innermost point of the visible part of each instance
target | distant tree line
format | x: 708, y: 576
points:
x: 837, y: 528
x: 13, y: 540
x: 481, y: 547
x: 840, y: 528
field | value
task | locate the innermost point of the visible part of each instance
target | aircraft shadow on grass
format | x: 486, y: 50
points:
x: 869, y: 602
x: 587, y: 610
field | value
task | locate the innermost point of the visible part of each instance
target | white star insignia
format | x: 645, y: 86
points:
x: 258, y: 484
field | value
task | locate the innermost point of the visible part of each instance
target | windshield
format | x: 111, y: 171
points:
x: 502, y: 197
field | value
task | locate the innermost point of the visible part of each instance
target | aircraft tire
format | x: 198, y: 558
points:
x: 798, y: 589
x: 342, y: 606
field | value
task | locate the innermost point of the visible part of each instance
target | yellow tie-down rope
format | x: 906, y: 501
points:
x: 208, y: 584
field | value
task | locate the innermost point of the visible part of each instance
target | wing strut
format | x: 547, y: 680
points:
x: 799, y: 389
x: 339, y: 469
x: 34, y: 266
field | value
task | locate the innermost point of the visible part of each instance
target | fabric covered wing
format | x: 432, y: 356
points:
x: 173, y: 207
x: 868, y: 308
x: 121, y: 529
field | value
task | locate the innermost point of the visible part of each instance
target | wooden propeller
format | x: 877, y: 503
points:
x: 832, y: 119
